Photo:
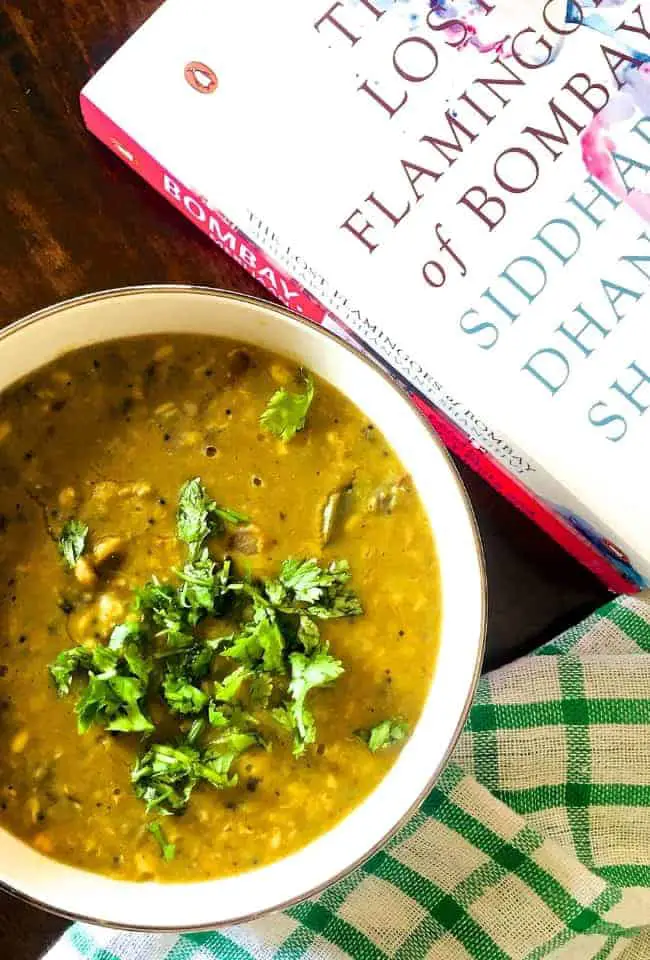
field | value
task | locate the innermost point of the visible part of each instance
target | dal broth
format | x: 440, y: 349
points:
x: 108, y: 435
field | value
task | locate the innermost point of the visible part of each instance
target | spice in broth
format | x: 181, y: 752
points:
x: 219, y: 608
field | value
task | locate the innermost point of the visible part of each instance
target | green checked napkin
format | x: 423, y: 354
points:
x: 535, y: 842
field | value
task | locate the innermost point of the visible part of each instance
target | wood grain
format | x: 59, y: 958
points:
x: 73, y: 219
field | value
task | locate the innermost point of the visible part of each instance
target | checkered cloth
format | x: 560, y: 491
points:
x: 535, y: 842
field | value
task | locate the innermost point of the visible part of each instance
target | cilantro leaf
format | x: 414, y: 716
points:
x: 184, y: 670
x: 198, y: 516
x: 319, y: 670
x: 159, y: 604
x: 384, y: 734
x: 182, y: 697
x: 300, y: 581
x: 167, y: 849
x: 286, y: 412
x: 260, y: 690
x: 218, y: 758
x: 104, y: 660
x: 309, y: 635
x: 303, y: 586
x: 203, y: 588
x: 224, y: 710
x: 219, y: 715
x: 72, y: 541
x: 66, y: 664
x: 233, y: 517
x: 165, y: 777
x: 118, y: 676
x: 299, y: 721
x: 229, y: 687
x: 308, y: 672
x: 129, y: 639
x: 114, y: 701
x: 260, y: 640
x: 193, y: 518
x: 197, y: 594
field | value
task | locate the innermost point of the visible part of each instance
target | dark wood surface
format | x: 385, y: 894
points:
x: 74, y: 219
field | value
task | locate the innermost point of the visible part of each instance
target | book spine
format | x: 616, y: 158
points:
x: 297, y: 298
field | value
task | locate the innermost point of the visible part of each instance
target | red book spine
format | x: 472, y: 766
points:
x: 278, y: 282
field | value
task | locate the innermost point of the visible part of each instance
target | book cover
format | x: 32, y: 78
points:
x: 463, y: 189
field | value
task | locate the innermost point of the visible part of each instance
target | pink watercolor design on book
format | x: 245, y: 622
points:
x: 598, y: 140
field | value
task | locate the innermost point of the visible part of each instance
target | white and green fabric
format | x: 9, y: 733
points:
x: 535, y: 843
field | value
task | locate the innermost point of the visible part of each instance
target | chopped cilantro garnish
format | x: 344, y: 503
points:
x: 219, y: 715
x: 260, y: 689
x: 66, y: 664
x: 129, y: 639
x: 166, y: 776
x: 160, y: 605
x: 384, y: 734
x: 218, y: 758
x: 304, y: 586
x: 183, y: 697
x: 113, y: 701
x: 167, y: 849
x: 226, y: 691
x: 164, y: 649
x: 197, y: 595
x: 308, y: 634
x: 286, y: 412
x: 193, y: 519
x: 198, y: 516
x: 260, y: 641
x: 203, y: 588
x: 307, y: 673
x: 72, y: 541
x: 118, y: 677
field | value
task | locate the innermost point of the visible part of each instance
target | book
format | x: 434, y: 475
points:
x: 459, y: 190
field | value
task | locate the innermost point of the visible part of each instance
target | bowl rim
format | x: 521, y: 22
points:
x: 300, y: 321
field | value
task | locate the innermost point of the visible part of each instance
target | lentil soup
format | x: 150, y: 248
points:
x: 219, y: 608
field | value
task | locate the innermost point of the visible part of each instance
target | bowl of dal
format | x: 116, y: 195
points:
x: 243, y: 608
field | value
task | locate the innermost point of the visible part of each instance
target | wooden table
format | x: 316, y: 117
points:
x: 74, y: 219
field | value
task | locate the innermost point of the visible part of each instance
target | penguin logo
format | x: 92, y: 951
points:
x: 201, y: 77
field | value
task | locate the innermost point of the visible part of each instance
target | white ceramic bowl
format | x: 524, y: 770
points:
x: 40, y: 338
